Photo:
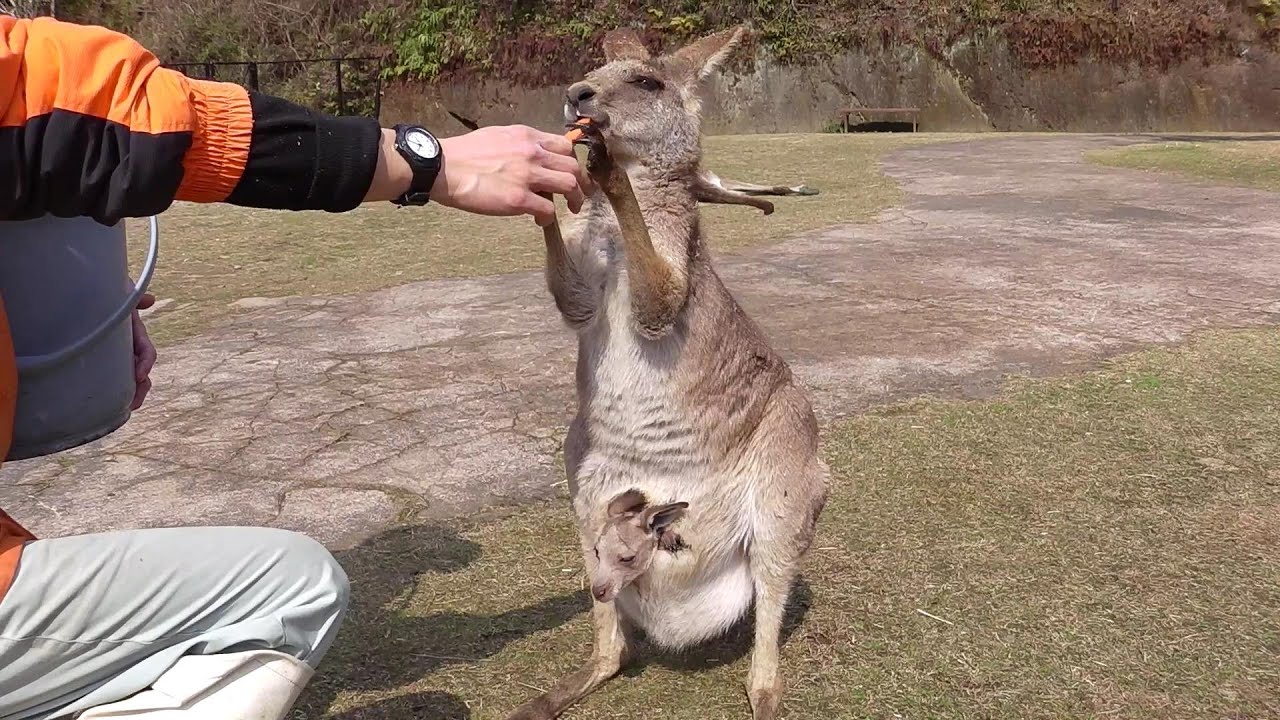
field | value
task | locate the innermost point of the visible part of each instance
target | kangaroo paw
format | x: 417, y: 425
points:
x: 765, y: 702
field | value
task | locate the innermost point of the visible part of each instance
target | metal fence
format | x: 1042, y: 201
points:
x: 342, y: 85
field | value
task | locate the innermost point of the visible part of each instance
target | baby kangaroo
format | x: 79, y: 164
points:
x: 693, y: 458
x: 633, y: 535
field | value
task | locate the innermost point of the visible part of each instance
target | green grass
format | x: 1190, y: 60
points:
x: 1253, y: 164
x: 1105, y: 546
x: 214, y: 255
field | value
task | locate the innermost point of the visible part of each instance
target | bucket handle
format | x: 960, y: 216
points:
x: 40, y: 362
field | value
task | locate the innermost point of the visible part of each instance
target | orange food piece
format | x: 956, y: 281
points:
x: 576, y: 132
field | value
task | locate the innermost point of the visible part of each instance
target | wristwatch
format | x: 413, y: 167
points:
x: 421, y: 150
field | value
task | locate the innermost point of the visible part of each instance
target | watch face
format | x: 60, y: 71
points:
x: 421, y: 143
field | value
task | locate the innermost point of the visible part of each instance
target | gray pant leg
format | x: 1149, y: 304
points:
x: 92, y: 619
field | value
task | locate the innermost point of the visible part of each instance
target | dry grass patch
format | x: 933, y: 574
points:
x: 215, y: 255
x: 1104, y: 546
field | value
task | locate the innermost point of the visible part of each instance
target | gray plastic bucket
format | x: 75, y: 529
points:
x: 66, y: 289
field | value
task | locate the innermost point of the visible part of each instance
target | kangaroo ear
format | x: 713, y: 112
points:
x: 624, y: 44
x: 628, y: 503
x: 662, y: 516
x: 702, y: 57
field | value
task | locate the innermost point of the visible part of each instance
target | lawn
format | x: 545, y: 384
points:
x: 1106, y: 546
x: 1249, y: 163
x: 214, y: 255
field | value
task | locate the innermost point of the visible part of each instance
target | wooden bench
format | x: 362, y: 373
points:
x: 912, y: 113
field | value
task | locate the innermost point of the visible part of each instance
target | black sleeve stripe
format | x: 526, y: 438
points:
x: 70, y: 164
x: 300, y: 159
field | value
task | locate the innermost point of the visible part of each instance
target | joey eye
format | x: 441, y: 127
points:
x: 647, y: 83
x: 597, y: 552
x: 627, y: 559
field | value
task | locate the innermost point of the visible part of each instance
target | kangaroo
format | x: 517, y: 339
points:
x: 690, y: 430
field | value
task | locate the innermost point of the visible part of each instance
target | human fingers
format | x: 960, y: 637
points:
x: 541, y: 207
x: 144, y: 351
x: 559, y: 163
x: 559, y: 183
x: 140, y: 394
x: 553, y: 143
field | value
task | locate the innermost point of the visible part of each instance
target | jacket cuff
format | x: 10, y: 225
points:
x: 219, y: 151
x: 300, y: 159
x: 346, y: 159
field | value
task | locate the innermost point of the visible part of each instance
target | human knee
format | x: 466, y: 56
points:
x: 313, y: 561
x: 322, y: 593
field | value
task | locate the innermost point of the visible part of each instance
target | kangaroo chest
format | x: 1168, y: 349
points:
x: 631, y: 403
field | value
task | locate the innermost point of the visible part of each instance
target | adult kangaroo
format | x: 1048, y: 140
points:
x: 693, y: 459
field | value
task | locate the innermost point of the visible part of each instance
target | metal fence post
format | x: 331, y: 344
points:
x: 342, y: 101
x: 249, y: 73
x: 377, y: 91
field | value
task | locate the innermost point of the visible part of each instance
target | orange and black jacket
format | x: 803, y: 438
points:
x: 91, y: 124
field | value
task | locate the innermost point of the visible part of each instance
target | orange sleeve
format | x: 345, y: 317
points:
x: 93, y: 125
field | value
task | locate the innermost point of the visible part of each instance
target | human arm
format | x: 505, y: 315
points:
x: 91, y: 124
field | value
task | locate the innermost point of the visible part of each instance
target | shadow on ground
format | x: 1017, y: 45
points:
x: 381, y: 648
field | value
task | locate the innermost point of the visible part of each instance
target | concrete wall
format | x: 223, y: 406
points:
x: 975, y: 86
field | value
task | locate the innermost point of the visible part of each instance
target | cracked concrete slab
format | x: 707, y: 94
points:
x: 337, y: 415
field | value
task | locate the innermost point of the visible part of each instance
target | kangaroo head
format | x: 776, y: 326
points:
x: 647, y: 108
x: 634, y: 531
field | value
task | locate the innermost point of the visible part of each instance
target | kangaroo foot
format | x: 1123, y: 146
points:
x: 765, y: 702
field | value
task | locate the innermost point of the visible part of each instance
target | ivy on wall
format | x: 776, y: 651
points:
x: 553, y: 40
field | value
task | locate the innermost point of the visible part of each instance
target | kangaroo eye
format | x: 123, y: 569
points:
x: 647, y: 83
x: 597, y: 552
x: 627, y: 559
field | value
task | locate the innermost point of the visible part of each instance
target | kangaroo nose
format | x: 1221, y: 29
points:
x: 580, y: 93
x: 600, y: 592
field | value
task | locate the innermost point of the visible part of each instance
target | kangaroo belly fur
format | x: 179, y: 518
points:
x: 661, y: 423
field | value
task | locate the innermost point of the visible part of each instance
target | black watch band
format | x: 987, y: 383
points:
x: 422, y: 151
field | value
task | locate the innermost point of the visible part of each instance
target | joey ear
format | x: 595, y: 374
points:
x: 660, y: 517
x: 702, y: 57
x: 628, y: 503
x: 624, y: 44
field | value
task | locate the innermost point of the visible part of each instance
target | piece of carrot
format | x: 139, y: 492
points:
x: 576, y: 132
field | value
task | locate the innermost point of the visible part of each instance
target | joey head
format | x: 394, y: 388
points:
x: 633, y: 533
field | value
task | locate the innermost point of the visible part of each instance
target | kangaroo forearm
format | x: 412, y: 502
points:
x: 570, y: 292
x: 657, y: 290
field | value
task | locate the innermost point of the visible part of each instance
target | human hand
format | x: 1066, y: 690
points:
x: 144, y: 353
x: 502, y: 170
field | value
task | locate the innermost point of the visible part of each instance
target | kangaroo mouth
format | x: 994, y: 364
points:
x: 597, y: 121
x: 597, y: 118
x: 585, y: 131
